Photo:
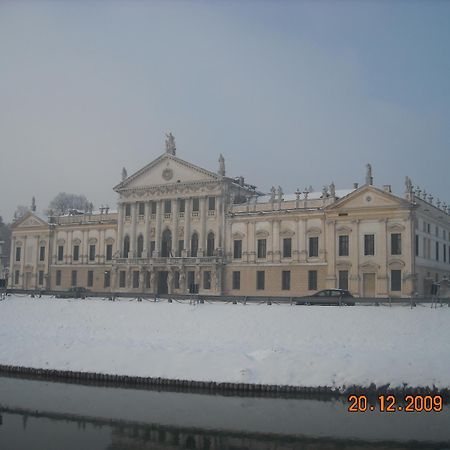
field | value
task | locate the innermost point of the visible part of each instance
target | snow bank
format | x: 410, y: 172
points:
x: 295, y: 345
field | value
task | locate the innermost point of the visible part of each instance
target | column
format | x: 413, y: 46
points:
x: 120, y: 229
x: 382, y: 251
x: 85, y: 247
x: 202, y: 237
x: 219, y: 215
x: 276, y: 240
x: 251, y: 241
x: 330, y: 252
x: 69, y: 247
x: 36, y: 260
x: 158, y: 227
x: 22, y: 261
x: 303, y: 251
x: 354, y: 253
x: 101, y: 249
x: 147, y: 230
x: 187, y: 223
x: 175, y: 236
x: 133, y: 230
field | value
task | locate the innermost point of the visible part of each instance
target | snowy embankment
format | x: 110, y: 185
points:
x: 283, y: 345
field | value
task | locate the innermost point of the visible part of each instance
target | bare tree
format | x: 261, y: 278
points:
x: 64, y: 203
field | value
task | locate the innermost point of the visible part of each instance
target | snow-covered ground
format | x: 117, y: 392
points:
x: 295, y: 345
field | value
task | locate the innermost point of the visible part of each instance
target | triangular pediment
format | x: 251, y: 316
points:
x: 167, y: 169
x: 369, y: 197
x: 29, y: 220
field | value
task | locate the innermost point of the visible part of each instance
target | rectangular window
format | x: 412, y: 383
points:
x: 167, y: 206
x: 128, y: 210
x: 237, y: 250
x: 107, y: 279
x: 176, y: 280
x: 74, y: 277
x: 260, y: 280
x: 90, y: 278
x: 141, y: 208
x: 58, y: 278
x: 417, y: 245
x: 92, y: 252
x: 428, y: 228
x: 180, y: 247
x: 76, y: 252
x: 396, y: 244
x: 369, y: 244
x: 343, y: 279
x: 343, y: 245
x: 211, y: 203
x: 122, y: 278
x: 236, y: 280
x: 147, y: 279
x: 207, y: 279
x: 181, y: 205
x: 396, y: 280
x: 195, y: 204
x: 153, y: 208
x: 437, y: 251
x: 287, y: 247
x: 109, y: 250
x: 312, y: 280
x: 437, y: 231
x: 314, y: 246
x: 16, y: 277
x: 42, y: 253
x: 152, y: 247
x: 262, y: 245
x: 60, y: 252
x: 41, y: 278
x: 444, y: 253
x: 18, y: 252
x: 286, y: 280
x: 135, y: 279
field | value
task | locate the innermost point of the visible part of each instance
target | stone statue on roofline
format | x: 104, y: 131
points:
x: 332, y: 189
x: 221, y: 165
x: 280, y: 193
x: 124, y: 173
x: 408, y: 185
x: 272, y: 193
x: 170, y: 144
x: 369, y: 176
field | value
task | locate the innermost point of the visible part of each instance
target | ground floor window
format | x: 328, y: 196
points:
x: 312, y: 280
x: 207, y: 279
x: 260, y: 280
x: 90, y: 278
x: 286, y: 280
x: 16, y: 277
x: 107, y: 279
x: 176, y: 280
x: 122, y: 278
x: 58, y: 278
x: 147, y: 279
x: 135, y: 279
x: 74, y: 277
x: 396, y: 280
x: 41, y: 278
x: 343, y: 279
x: 236, y: 280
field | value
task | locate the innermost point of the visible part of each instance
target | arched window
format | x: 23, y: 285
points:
x: 166, y: 243
x: 126, y: 246
x: 210, y: 244
x: 194, y: 245
x: 140, y: 246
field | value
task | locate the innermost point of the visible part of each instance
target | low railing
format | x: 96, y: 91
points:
x: 172, y: 260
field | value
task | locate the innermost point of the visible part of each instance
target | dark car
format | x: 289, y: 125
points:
x: 74, y: 292
x: 328, y: 297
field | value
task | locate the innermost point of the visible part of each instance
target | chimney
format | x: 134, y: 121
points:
x: 387, y: 188
x: 355, y: 185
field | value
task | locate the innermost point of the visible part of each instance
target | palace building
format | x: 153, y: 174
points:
x: 181, y: 228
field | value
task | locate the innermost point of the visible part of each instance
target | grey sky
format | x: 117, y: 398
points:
x: 292, y: 93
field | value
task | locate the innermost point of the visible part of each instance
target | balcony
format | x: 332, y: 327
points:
x: 171, y: 261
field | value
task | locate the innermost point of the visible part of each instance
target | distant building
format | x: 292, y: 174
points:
x: 181, y: 228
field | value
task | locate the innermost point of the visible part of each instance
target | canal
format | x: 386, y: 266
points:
x: 47, y: 415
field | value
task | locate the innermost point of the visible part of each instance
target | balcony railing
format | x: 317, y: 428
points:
x: 171, y: 261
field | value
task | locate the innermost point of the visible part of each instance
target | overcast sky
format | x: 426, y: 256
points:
x: 291, y: 93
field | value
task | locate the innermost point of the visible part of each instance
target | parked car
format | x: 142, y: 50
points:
x: 328, y: 297
x: 74, y: 292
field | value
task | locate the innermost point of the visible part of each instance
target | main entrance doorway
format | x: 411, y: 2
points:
x: 162, y: 282
x: 368, y: 285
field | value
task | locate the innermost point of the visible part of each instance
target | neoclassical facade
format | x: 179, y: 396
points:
x: 180, y: 228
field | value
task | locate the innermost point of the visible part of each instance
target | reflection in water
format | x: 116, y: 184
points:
x: 44, y: 415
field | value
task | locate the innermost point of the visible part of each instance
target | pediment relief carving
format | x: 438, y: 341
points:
x: 76, y: 242
x: 396, y: 263
x: 344, y: 264
x: 287, y: 233
x: 109, y: 240
x: 238, y: 235
x: 343, y: 230
x: 395, y: 227
x: 61, y: 242
x: 369, y: 265
x: 41, y: 243
x: 314, y: 230
x: 262, y: 234
x: 92, y: 241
